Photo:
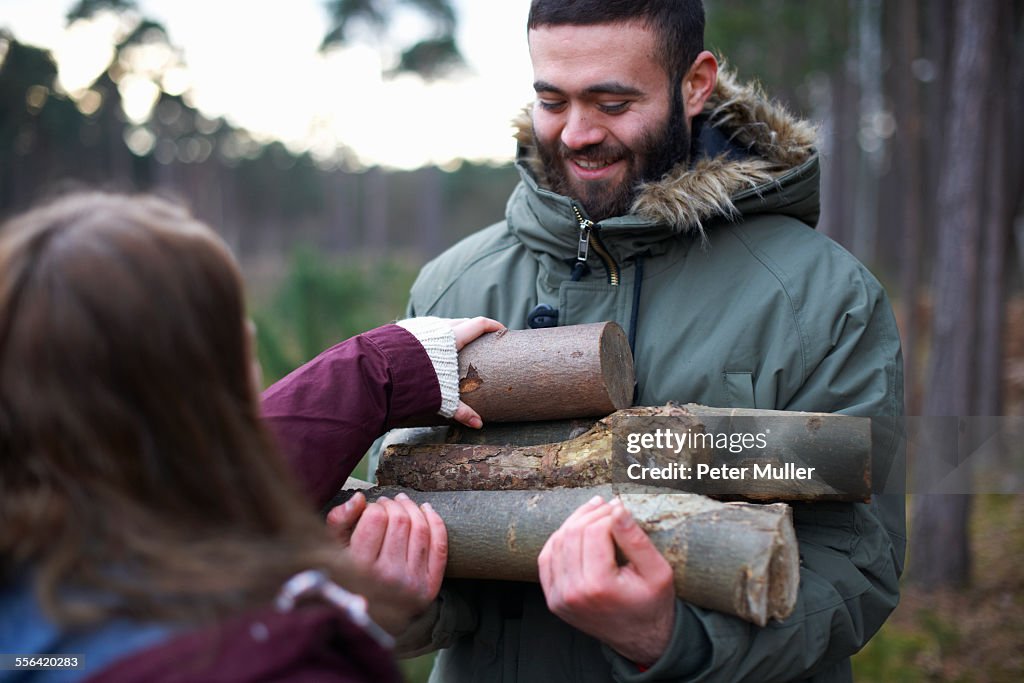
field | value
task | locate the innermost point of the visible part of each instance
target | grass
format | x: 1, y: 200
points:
x: 973, y: 634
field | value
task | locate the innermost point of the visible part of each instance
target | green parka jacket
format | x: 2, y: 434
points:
x: 734, y: 300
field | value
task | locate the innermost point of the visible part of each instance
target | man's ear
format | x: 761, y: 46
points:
x: 699, y: 83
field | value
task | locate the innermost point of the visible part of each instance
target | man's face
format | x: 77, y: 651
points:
x: 607, y: 116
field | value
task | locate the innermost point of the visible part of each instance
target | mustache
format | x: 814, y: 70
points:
x: 601, y: 151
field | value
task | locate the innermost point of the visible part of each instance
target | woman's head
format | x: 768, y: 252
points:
x: 121, y: 330
x: 130, y: 438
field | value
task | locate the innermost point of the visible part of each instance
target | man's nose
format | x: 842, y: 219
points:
x: 581, y: 130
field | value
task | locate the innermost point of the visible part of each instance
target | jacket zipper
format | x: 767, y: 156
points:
x: 589, y: 237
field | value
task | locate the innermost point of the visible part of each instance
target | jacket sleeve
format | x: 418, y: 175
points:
x: 325, y: 414
x: 453, y: 614
x: 851, y: 553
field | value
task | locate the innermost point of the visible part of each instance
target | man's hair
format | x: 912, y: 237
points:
x: 134, y: 466
x: 678, y: 23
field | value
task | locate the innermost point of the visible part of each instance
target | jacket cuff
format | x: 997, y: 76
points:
x: 448, y: 618
x: 438, y: 340
x: 413, y: 378
x: 688, y: 652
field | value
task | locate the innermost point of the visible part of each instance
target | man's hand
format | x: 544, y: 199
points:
x: 466, y: 330
x: 402, y: 545
x: 630, y: 607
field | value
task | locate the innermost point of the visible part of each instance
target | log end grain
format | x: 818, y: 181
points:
x: 784, y: 568
x: 617, y: 366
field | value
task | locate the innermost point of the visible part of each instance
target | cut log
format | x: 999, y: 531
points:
x: 735, y: 558
x: 547, y: 374
x: 492, y: 433
x: 788, y: 456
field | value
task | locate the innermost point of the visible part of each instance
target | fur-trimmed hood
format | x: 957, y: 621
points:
x: 765, y: 145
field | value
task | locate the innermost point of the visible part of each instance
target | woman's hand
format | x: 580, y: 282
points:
x: 466, y: 330
x: 403, y: 546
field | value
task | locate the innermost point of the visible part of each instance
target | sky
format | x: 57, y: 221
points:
x: 262, y: 71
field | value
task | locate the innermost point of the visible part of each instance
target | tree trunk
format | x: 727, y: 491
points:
x: 430, y: 211
x: 735, y: 558
x: 871, y: 142
x: 374, y: 210
x: 996, y: 229
x: 908, y: 165
x: 547, y: 374
x: 711, y: 451
x: 840, y: 156
x: 940, y: 553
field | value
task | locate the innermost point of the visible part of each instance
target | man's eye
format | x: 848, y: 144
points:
x: 551, y: 105
x: 613, y: 107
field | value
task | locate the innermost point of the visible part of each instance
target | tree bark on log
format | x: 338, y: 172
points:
x: 547, y: 374
x: 735, y: 558
x: 833, y: 450
x: 492, y: 433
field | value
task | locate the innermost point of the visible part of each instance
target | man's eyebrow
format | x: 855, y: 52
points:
x: 544, y: 86
x: 613, y: 88
x: 604, y: 88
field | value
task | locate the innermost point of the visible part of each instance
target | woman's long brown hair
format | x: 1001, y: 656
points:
x: 136, y: 476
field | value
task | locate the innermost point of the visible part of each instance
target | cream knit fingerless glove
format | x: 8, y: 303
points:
x: 438, y: 341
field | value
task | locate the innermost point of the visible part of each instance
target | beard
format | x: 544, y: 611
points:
x: 656, y: 152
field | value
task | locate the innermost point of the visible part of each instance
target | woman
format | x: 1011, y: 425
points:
x: 148, y: 522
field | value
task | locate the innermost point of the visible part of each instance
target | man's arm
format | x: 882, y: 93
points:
x: 629, y: 607
x: 851, y: 554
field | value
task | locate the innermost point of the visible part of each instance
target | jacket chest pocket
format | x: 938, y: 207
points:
x: 591, y: 302
x: 739, y: 389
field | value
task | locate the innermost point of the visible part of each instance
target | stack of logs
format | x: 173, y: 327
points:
x: 504, y: 489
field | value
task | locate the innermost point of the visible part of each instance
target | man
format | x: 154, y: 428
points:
x: 664, y: 195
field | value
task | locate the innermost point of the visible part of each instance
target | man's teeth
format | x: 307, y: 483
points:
x: 590, y: 165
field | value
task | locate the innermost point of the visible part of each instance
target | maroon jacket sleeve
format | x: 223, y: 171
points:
x: 328, y: 412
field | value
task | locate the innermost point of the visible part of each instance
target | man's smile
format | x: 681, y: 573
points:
x: 593, y: 169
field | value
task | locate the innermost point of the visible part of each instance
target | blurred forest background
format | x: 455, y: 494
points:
x: 920, y: 106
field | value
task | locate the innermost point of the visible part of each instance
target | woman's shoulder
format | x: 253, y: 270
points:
x: 314, y: 642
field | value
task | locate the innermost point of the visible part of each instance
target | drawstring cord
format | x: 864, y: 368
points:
x: 638, y: 283
x: 638, y: 279
x: 313, y: 583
